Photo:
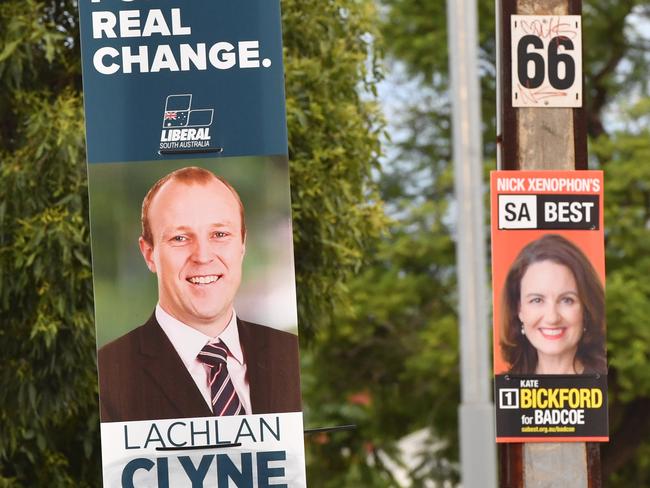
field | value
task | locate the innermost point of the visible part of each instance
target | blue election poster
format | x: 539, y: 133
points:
x: 195, y: 296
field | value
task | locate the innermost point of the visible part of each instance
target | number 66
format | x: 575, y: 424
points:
x: 524, y: 57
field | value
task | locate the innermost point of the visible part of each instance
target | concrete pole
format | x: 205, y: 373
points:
x: 477, y: 441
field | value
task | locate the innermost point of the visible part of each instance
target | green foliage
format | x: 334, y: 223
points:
x: 615, y: 58
x: 48, y: 413
x: 333, y: 147
x: 393, y: 357
x: 331, y: 50
x: 624, y: 155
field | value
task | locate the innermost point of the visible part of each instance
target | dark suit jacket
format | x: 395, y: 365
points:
x: 142, y: 377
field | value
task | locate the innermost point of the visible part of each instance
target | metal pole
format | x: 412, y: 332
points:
x: 477, y: 441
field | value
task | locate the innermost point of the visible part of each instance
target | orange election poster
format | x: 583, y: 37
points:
x: 548, y: 277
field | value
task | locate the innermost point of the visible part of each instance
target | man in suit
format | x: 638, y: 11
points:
x: 194, y: 357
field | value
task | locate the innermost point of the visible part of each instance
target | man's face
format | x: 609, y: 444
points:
x: 197, y: 251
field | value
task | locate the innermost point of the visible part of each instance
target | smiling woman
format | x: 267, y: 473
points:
x: 553, y: 311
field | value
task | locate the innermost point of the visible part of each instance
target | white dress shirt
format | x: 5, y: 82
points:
x: 189, y: 341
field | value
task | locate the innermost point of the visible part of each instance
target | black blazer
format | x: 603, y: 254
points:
x: 142, y: 377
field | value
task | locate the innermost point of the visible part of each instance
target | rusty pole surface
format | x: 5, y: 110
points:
x: 530, y: 139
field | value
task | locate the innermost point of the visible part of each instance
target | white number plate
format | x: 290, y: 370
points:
x: 546, y: 60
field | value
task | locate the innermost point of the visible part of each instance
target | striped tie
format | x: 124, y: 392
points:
x: 224, y: 397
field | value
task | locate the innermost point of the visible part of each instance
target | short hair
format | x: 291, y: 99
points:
x: 516, y: 349
x: 191, y: 175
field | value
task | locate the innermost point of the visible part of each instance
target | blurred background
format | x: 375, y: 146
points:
x: 373, y: 226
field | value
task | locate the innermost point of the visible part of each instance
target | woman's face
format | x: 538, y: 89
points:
x: 551, y: 311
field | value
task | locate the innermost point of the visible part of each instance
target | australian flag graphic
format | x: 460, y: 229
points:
x: 178, y: 113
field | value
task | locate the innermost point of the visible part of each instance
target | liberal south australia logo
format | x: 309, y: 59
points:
x: 185, y: 127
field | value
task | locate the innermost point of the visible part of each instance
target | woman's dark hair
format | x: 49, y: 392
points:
x: 516, y: 349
